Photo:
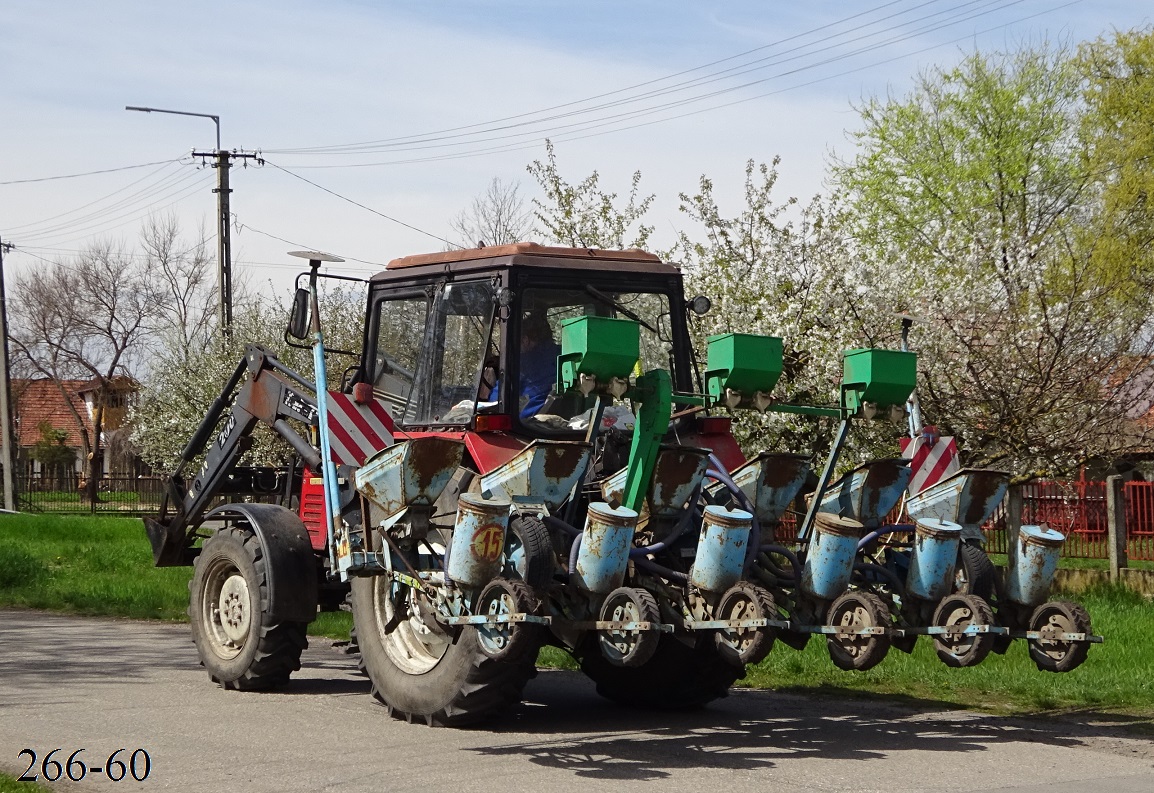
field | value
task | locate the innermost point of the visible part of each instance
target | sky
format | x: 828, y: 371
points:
x: 372, y: 112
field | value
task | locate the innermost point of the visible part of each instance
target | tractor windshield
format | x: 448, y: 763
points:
x: 542, y: 312
x: 429, y: 354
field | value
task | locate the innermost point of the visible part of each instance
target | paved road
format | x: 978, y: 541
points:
x: 101, y: 685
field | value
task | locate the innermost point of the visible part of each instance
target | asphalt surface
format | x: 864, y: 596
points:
x: 101, y: 685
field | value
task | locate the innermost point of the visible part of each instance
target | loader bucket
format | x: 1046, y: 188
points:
x: 169, y: 544
x: 409, y: 474
x: 544, y: 471
x: 868, y: 492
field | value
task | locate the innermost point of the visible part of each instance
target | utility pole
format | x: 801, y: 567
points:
x: 7, y: 455
x: 223, y: 162
x: 224, y: 225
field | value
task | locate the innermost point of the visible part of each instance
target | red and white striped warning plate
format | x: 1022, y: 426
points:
x: 930, y: 462
x: 357, y: 431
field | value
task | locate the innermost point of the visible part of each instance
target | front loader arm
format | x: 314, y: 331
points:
x: 269, y: 392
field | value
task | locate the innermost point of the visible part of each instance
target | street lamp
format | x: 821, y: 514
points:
x: 215, y: 119
x: 223, y: 240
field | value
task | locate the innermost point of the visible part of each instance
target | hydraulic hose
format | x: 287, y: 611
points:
x: 664, y: 572
x: 574, y: 549
x: 781, y: 550
x: 884, y: 573
x: 894, y: 529
x: 674, y: 533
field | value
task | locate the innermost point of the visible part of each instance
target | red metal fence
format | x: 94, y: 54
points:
x: 1139, y: 498
x: 1077, y: 509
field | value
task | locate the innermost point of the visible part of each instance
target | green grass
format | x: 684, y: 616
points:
x: 332, y: 624
x: 1074, y: 563
x: 1078, y: 563
x: 100, y: 566
x: 1114, y: 677
x: 87, y: 565
x: 8, y: 784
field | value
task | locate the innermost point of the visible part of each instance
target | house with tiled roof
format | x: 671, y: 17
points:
x: 54, y: 426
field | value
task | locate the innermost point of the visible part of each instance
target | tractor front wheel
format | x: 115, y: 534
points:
x: 238, y: 641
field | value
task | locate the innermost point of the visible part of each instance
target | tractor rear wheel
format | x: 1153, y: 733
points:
x: 677, y: 677
x: 238, y: 641
x: 423, y: 671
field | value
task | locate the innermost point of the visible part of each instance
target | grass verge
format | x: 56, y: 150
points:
x: 103, y: 566
x: 100, y: 566
x: 8, y: 784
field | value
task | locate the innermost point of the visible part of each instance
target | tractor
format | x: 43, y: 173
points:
x: 529, y: 452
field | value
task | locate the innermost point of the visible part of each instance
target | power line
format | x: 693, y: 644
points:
x: 418, y: 137
x: 427, y: 141
x: 103, y: 198
x: 569, y: 131
x: 362, y: 206
x: 146, y: 197
x: 134, y: 255
x: 619, y: 119
x: 177, y: 192
x: 607, y: 120
x: 87, y: 173
x: 299, y: 245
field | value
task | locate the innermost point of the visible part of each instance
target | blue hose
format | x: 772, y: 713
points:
x: 873, y: 535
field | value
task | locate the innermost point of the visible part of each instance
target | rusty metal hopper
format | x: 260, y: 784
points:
x: 409, y: 474
x: 868, y: 493
x: 676, y: 474
x: 771, y: 482
x: 544, y: 471
x: 968, y: 497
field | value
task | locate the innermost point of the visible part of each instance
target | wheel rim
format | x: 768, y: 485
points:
x: 628, y: 647
x: 960, y: 616
x: 227, y: 609
x: 495, y: 639
x: 413, y: 646
x: 623, y: 642
x: 748, y: 645
x: 856, y: 617
x: 1051, y: 621
x: 955, y: 614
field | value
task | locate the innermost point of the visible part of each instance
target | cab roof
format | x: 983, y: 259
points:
x: 526, y: 253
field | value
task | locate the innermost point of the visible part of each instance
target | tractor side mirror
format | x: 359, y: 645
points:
x: 298, y: 326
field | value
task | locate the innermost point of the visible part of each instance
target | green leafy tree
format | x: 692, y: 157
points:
x: 1118, y: 127
x: 975, y: 188
x: 584, y: 216
x: 53, y: 455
